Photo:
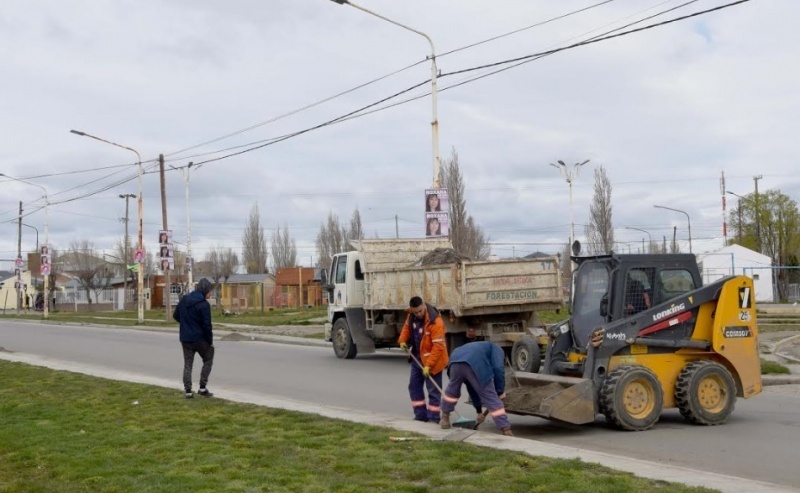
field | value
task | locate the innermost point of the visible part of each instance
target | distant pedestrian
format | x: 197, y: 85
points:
x: 423, y: 336
x: 478, y: 365
x: 194, y: 315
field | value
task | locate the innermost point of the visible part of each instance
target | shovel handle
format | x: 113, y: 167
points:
x: 421, y: 367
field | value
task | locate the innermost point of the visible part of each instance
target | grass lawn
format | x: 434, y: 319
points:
x: 67, y: 432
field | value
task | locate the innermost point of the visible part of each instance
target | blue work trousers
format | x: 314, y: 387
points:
x: 416, y: 389
x: 462, y: 373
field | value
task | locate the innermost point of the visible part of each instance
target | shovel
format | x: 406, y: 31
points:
x: 461, y: 422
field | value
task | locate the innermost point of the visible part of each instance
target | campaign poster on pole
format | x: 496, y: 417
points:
x: 165, y: 237
x: 437, y: 224
x: 167, y: 257
x: 436, y: 200
x: 437, y: 213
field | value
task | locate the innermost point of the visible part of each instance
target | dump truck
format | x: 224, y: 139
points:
x: 645, y: 335
x: 369, y: 289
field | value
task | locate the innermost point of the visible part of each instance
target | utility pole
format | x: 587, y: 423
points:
x: 19, y: 255
x: 396, y: 227
x: 758, y: 215
x: 126, y: 255
x: 167, y: 279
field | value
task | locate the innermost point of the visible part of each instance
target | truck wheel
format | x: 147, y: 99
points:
x: 705, y: 393
x: 631, y: 398
x: 343, y: 344
x: 526, y: 355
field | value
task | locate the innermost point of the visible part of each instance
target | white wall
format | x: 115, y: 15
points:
x: 737, y: 260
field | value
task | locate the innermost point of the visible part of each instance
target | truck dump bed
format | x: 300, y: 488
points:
x: 392, y: 275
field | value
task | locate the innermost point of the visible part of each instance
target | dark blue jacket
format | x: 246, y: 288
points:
x: 486, y: 360
x: 194, y: 314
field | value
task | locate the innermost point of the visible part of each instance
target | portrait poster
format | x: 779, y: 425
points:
x: 166, y: 251
x: 189, y: 264
x: 167, y: 264
x: 165, y: 237
x: 436, y: 200
x: 437, y: 224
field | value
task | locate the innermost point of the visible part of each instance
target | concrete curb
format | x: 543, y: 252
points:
x: 778, y: 346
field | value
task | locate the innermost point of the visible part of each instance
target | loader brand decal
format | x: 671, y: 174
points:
x: 618, y: 336
x: 744, y: 298
x: 511, y: 295
x: 518, y: 280
x: 669, y: 312
x: 737, y: 332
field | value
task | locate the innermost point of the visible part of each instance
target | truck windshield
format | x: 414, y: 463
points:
x: 591, y: 284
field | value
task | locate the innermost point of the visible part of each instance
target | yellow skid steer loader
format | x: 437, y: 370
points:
x: 644, y: 335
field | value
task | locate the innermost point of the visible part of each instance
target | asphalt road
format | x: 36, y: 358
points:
x: 758, y: 442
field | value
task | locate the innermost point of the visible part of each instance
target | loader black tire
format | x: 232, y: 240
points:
x: 631, y: 398
x: 526, y: 355
x: 705, y: 393
x: 343, y: 344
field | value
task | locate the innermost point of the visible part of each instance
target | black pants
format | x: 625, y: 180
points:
x: 206, y: 352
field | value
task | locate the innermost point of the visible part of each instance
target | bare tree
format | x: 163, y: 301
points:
x: 222, y: 263
x: 254, y: 244
x: 284, y: 249
x: 331, y: 239
x: 356, y: 232
x: 466, y: 236
x: 600, y: 230
x: 89, y: 269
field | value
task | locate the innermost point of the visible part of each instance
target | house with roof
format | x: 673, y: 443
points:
x: 298, y: 287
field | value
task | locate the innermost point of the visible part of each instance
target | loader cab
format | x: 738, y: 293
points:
x: 611, y: 287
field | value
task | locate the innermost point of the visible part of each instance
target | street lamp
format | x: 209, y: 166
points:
x: 758, y: 235
x: 570, y: 176
x: 687, y: 219
x: 189, y: 260
x: 140, y: 269
x: 46, y: 216
x: 649, y: 238
x: 434, y: 73
x: 37, y: 235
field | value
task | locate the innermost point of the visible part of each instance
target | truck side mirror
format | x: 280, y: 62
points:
x: 323, y: 277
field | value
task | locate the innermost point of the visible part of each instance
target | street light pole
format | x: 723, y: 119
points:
x: 687, y: 219
x: 649, y: 238
x: 434, y: 74
x: 570, y: 176
x: 126, y: 256
x: 46, y: 219
x: 189, y: 258
x: 140, y: 286
x: 739, y: 207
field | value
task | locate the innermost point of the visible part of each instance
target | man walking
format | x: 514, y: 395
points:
x: 423, y: 337
x: 194, y: 314
x: 479, y: 365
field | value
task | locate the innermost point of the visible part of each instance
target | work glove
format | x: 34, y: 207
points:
x: 481, y: 418
x: 502, y: 397
x: 404, y: 346
x: 426, y: 371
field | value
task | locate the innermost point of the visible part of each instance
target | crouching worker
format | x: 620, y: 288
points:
x: 479, y: 365
x: 423, y: 337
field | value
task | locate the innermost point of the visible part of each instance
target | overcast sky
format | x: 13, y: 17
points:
x: 665, y: 112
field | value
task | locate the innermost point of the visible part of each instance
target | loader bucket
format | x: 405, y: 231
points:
x: 567, y: 399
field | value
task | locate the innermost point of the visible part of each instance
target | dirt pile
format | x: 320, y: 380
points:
x: 526, y: 399
x: 441, y: 256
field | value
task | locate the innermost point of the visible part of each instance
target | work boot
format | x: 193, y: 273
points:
x: 444, y: 422
x: 507, y: 432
